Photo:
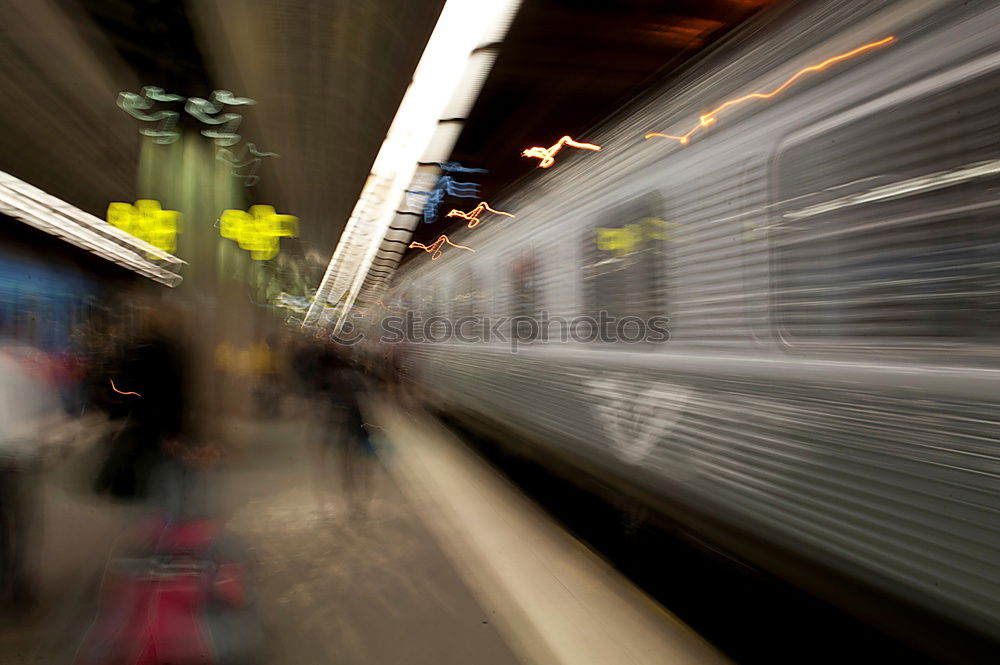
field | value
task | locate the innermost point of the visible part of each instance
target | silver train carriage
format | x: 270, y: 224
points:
x: 829, y: 260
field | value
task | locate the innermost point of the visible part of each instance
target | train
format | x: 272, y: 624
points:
x: 827, y: 402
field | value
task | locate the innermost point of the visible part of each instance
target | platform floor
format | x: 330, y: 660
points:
x: 448, y: 564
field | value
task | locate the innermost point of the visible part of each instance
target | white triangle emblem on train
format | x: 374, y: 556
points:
x: 636, y: 415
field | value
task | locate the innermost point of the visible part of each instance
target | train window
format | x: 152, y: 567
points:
x: 888, y: 226
x: 428, y: 296
x: 624, y: 261
x: 408, y: 305
x: 469, y: 301
x: 526, y: 292
x: 434, y: 307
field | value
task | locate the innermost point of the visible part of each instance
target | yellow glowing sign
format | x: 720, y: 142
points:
x: 628, y: 238
x: 434, y: 249
x: 147, y: 221
x: 251, y: 360
x: 707, y: 119
x: 258, y: 229
x: 546, y: 156
x: 473, y: 215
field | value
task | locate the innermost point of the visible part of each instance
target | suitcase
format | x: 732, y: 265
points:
x: 175, y: 595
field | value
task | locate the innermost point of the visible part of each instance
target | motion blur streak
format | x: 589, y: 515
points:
x: 831, y: 383
x: 546, y: 156
x: 122, y: 392
x: 434, y: 249
x: 732, y: 398
x: 708, y: 118
x: 904, y: 188
x: 473, y: 215
x: 58, y: 218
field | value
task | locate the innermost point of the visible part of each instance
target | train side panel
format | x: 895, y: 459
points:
x: 828, y: 260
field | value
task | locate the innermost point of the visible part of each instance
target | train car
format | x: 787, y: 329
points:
x: 826, y: 402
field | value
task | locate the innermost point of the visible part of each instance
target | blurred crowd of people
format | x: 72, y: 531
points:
x: 126, y: 388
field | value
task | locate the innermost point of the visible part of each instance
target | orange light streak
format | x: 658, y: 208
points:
x: 473, y: 215
x: 434, y: 249
x: 546, y: 156
x: 122, y: 392
x: 364, y: 310
x: 707, y: 119
x: 387, y: 308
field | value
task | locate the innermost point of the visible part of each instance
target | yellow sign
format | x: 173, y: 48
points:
x: 255, y: 359
x: 628, y: 238
x: 258, y: 229
x: 147, y: 221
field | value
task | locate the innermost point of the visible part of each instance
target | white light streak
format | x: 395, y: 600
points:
x: 463, y: 26
x: 903, y: 188
x: 47, y: 213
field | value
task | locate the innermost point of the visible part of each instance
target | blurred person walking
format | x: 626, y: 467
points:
x: 177, y: 588
x: 349, y: 434
x: 26, y: 405
x: 339, y: 388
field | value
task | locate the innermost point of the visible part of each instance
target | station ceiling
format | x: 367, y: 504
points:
x: 327, y: 76
x: 567, y: 64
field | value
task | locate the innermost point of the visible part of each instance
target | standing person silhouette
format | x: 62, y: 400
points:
x: 346, y: 435
x: 149, y: 386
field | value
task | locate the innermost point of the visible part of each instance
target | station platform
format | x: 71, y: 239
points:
x: 448, y: 563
